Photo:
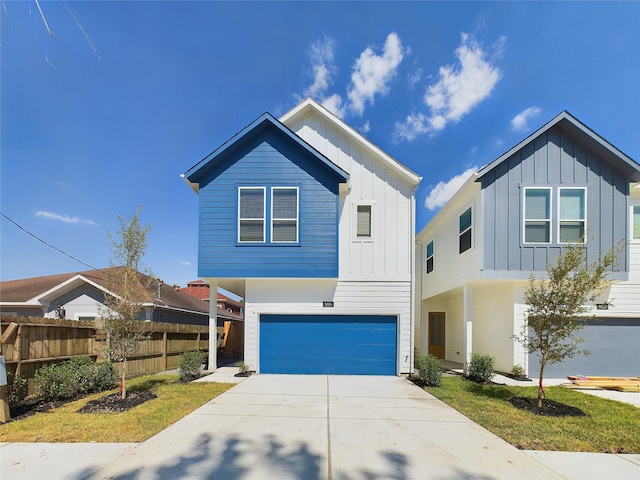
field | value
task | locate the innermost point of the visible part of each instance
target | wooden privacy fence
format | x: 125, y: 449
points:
x: 28, y: 343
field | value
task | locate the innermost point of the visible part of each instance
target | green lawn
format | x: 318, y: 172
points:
x: 65, y: 424
x: 611, y: 427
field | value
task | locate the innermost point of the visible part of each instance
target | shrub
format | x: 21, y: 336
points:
x: 517, y: 371
x: 481, y: 367
x: 17, y: 388
x: 243, y: 368
x: 190, y: 365
x: 429, y: 370
x: 76, y: 376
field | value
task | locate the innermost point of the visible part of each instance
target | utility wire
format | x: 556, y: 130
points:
x: 46, y: 243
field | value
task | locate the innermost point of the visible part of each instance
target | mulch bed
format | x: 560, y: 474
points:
x: 114, y: 404
x: 549, y: 408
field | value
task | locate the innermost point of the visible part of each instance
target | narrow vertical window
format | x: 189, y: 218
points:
x: 430, y: 257
x: 284, y: 214
x: 465, y: 230
x: 572, y: 215
x: 537, y: 215
x: 636, y: 222
x: 364, y: 221
x: 251, y: 214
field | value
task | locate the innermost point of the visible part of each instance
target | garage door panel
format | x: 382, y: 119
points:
x: 328, y: 344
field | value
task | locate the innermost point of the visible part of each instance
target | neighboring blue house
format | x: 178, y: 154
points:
x: 314, y: 227
x: 562, y: 184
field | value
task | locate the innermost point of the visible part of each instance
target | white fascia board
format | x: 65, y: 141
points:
x: 68, y: 285
x: 409, y: 175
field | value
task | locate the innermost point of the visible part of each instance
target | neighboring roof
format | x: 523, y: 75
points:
x: 307, y: 105
x: 36, y: 291
x: 574, y: 127
x: 265, y: 120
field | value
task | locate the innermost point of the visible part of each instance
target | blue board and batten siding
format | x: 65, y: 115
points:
x: 269, y: 158
x: 554, y: 159
x: 328, y: 344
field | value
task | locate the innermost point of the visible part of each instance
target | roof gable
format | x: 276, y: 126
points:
x: 308, y: 105
x: 575, y: 128
x: 264, y: 121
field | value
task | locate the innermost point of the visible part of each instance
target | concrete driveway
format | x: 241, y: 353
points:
x: 325, y: 427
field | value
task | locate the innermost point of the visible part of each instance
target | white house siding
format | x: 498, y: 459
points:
x: 387, y: 255
x: 302, y: 296
x: 451, y: 268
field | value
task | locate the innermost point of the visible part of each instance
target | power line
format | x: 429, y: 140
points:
x: 46, y: 243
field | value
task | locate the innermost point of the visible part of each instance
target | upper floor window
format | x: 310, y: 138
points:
x: 572, y: 215
x: 251, y: 214
x: 465, y: 230
x: 430, y: 257
x: 636, y: 222
x: 363, y: 221
x: 537, y: 215
x: 284, y: 217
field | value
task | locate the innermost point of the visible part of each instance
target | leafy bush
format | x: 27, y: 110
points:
x: 17, y: 388
x: 517, y: 371
x: 190, y: 365
x: 76, y: 376
x: 243, y: 368
x: 429, y: 370
x: 481, y: 367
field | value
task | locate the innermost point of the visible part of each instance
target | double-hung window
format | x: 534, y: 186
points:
x: 465, y: 230
x: 284, y: 214
x: 430, y: 257
x: 537, y: 215
x: 251, y: 214
x: 572, y: 215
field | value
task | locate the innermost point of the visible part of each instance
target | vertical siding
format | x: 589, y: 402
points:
x: 388, y: 254
x: 553, y: 159
x: 306, y: 297
x: 269, y: 159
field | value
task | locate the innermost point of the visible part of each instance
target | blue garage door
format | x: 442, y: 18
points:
x: 328, y: 344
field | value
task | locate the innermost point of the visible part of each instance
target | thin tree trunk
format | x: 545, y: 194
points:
x: 123, y: 384
x: 541, y: 394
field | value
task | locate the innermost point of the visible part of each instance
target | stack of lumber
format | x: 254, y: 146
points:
x: 621, y: 384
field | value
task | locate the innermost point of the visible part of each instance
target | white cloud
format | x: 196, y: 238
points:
x: 64, y: 218
x: 185, y: 264
x: 322, y: 67
x: 443, y: 191
x: 334, y: 105
x: 414, y: 78
x: 459, y: 89
x: 372, y: 73
x: 521, y: 121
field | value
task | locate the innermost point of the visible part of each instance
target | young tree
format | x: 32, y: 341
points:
x: 121, y: 316
x: 556, y: 306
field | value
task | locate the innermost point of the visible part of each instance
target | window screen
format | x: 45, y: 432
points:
x: 572, y: 216
x: 537, y: 215
x: 251, y: 206
x: 284, y: 215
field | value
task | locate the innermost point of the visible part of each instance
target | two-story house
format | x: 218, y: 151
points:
x: 314, y: 227
x: 562, y: 184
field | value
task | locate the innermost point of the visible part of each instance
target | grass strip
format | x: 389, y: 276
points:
x: 609, y: 427
x: 65, y: 424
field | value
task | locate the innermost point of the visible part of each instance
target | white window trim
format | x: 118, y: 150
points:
x: 297, y: 219
x: 560, y: 220
x: 433, y: 255
x: 264, y: 215
x: 355, y: 236
x: 471, y: 227
x: 631, y: 224
x: 524, y: 215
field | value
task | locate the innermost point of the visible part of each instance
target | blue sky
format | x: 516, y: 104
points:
x: 443, y: 87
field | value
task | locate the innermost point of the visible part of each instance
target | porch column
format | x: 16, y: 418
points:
x: 467, y: 326
x: 213, y: 324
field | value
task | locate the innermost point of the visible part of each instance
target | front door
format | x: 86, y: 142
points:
x: 436, y: 334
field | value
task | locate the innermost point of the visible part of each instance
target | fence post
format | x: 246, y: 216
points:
x: 18, y: 350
